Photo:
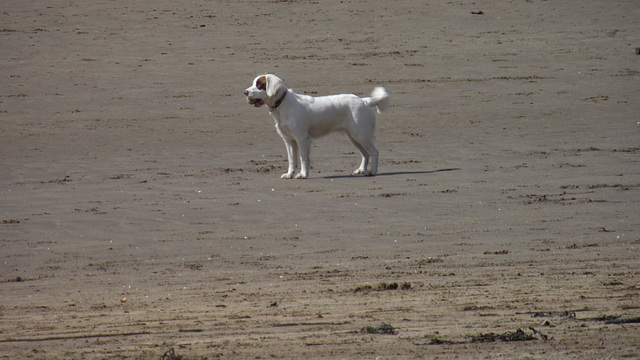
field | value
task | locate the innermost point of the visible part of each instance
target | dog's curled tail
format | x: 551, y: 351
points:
x: 379, y: 99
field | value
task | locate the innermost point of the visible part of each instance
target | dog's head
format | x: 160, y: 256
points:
x: 265, y: 90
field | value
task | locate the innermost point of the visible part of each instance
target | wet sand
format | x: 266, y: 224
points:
x: 142, y: 210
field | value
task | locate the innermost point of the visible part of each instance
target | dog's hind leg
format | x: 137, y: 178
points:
x: 373, y: 154
x: 369, y: 154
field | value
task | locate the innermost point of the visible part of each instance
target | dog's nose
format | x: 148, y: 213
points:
x: 246, y: 93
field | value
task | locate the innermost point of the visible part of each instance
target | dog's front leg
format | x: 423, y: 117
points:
x: 292, y: 155
x: 304, y: 146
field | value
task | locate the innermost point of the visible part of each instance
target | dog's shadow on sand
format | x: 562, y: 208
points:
x: 394, y: 173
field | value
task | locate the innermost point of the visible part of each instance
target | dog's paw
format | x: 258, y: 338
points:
x: 364, y: 172
x: 287, y: 176
x: 301, y: 176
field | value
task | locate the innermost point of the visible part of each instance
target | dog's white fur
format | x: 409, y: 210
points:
x: 300, y: 118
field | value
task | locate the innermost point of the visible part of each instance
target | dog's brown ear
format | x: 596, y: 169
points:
x: 261, y: 83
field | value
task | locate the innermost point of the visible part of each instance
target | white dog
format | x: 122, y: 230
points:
x: 300, y: 118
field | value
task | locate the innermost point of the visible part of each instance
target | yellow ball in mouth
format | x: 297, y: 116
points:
x: 251, y: 101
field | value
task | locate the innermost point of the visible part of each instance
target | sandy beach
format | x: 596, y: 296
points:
x: 142, y: 210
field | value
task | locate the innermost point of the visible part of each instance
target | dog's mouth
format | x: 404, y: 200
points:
x: 255, y: 102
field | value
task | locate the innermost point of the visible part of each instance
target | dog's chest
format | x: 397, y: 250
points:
x: 284, y: 127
